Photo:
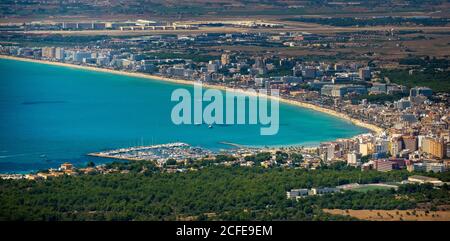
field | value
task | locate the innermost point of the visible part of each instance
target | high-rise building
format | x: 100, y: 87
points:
x: 80, y: 55
x: 353, y: 158
x: 341, y: 90
x: 365, y: 73
x: 410, y: 142
x: 416, y: 91
x: 366, y: 148
x: 48, y: 52
x: 383, y: 165
x: 434, y: 147
x: 103, y: 61
x: 396, y: 146
x: 59, y: 53
x: 402, y: 104
x: 381, y: 147
x: 225, y: 59
x: 213, y: 66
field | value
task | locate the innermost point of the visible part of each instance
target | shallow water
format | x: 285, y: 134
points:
x: 52, y: 114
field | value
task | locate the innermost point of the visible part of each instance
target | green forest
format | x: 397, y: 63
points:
x: 427, y: 71
x: 212, y: 193
x: 439, y: 81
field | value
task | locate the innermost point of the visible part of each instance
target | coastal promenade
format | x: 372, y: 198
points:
x: 334, y: 113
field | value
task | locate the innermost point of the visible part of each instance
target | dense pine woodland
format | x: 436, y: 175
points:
x: 212, y: 193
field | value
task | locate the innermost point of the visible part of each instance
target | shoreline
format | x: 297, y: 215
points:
x: 313, y: 107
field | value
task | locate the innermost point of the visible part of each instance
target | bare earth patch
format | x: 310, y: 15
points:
x: 393, y: 215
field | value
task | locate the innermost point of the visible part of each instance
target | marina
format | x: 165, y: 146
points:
x: 178, y: 151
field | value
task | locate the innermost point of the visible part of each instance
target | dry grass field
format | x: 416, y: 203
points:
x: 393, y: 215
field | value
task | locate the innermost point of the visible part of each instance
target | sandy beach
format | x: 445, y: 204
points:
x: 357, y: 122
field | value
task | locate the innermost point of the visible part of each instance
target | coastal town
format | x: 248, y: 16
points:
x: 408, y: 126
x: 357, y: 124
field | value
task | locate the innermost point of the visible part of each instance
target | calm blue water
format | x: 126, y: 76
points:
x: 51, y: 114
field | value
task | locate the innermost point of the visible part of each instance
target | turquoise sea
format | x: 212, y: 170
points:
x: 52, y: 114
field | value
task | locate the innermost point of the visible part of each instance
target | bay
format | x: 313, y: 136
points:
x: 53, y: 114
